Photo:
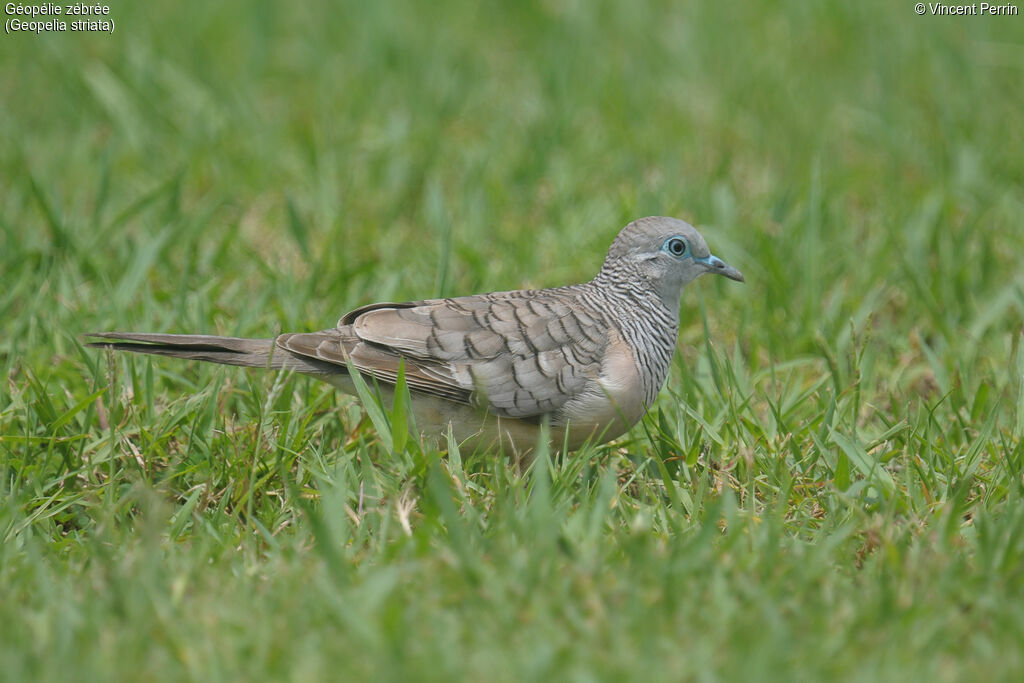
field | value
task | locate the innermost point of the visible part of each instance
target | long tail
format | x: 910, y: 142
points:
x: 250, y: 353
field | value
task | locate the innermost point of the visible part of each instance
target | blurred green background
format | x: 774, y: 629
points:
x: 829, y: 487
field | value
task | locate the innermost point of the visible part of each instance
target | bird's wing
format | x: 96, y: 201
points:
x: 520, y: 354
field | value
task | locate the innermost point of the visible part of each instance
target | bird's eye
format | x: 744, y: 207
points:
x: 676, y: 246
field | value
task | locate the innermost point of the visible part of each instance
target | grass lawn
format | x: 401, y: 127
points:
x: 831, y: 485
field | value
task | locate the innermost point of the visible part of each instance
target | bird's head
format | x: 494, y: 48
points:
x: 665, y: 252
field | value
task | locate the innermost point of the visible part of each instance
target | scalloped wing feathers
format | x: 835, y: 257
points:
x: 522, y: 354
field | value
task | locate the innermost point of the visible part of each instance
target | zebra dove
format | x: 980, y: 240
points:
x: 588, y: 359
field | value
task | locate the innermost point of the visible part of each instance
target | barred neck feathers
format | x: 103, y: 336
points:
x: 645, y: 323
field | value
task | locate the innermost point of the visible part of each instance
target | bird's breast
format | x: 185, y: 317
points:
x: 614, y: 402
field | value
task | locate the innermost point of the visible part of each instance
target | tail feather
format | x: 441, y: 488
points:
x: 250, y: 353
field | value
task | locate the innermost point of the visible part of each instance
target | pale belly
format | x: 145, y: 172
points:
x: 600, y: 420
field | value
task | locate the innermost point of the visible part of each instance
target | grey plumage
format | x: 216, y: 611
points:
x: 588, y: 359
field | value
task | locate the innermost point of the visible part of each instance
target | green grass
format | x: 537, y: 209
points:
x: 830, y: 486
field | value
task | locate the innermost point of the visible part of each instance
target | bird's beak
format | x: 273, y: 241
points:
x: 720, y: 267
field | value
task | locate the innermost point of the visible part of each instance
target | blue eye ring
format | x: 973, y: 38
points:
x: 676, y: 246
